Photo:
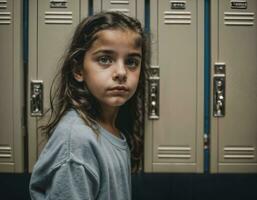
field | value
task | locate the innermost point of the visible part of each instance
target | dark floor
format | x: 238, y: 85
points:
x: 160, y: 187
x: 195, y: 187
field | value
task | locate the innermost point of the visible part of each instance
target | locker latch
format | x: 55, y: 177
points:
x: 219, y: 79
x: 154, y: 80
x: 36, y: 98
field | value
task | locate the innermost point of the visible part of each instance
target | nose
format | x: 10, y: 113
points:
x: 120, y: 72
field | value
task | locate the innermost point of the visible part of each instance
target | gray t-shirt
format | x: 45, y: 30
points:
x: 75, y: 164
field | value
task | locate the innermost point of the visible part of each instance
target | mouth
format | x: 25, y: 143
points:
x: 120, y: 89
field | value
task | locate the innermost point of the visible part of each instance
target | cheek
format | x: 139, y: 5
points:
x: 135, y: 79
x: 91, y: 76
x: 96, y: 81
x: 93, y: 82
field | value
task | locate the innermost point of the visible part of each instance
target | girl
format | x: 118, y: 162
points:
x: 96, y: 109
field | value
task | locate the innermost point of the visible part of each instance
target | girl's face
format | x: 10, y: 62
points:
x: 111, y: 67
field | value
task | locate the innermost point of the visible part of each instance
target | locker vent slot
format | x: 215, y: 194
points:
x: 5, y: 18
x: 171, y: 17
x: 179, y: 152
x: 3, y: 4
x: 123, y: 10
x: 240, y: 152
x: 58, y: 17
x: 119, y: 2
x: 5, y: 151
x: 239, y: 18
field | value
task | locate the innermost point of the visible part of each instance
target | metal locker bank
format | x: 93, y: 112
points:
x: 175, y: 117
x: 200, y: 129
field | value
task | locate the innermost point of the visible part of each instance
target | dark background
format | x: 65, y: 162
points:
x: 160, y: 186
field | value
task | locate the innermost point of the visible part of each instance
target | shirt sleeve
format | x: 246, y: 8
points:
x: 70, y: 180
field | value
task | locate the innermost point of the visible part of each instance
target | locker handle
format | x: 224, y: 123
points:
x: 154, y: 81
x: 36, y: 99
x: 219, y: 82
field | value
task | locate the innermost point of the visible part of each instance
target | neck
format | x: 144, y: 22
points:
x: 108, y: 119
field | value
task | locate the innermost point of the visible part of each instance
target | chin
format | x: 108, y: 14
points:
x: 117, y: 102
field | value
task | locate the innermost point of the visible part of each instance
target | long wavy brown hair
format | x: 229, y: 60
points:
x: 67, y: 93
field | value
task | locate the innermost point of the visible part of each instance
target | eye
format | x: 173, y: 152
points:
x: 132, y: 63
x: 105, y: 60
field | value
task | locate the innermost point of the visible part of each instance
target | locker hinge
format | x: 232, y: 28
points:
x: 206, y: 141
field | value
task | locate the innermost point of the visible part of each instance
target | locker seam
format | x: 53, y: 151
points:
x: 197, y: 83
x: 13, y: 77
x: 37, y: 74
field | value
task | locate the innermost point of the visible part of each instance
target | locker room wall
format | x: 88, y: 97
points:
x: 161, y: 186
x: 174, y: 133
x: 174, y: 138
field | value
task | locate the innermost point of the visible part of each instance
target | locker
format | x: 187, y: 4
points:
x: 174, y: 123
x: 233, y: 88
x: 12, y: 89
x: 51, y: 25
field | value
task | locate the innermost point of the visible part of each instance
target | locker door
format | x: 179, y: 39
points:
x: 234, y: 86
x: 174, y: 125
x: 11, y: 87
x: 52, y: 24
x: 134, y: 8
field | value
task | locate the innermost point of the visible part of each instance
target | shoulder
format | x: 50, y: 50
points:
x: 72, y: 140
x: 73, y: 129
x: 72, y: 149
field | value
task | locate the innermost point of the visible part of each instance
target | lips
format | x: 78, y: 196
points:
x: 119, y: 88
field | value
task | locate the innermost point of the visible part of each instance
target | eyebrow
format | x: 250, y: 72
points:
x: 104, y: 51
x: 107, y: 51
x: 135, y: 55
